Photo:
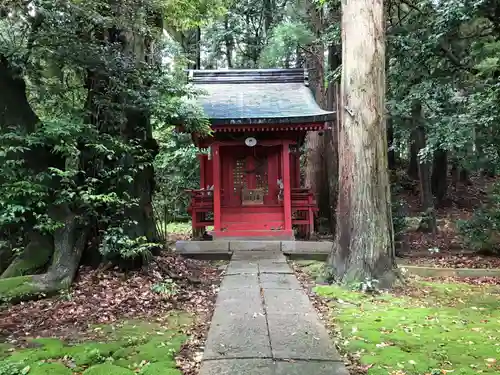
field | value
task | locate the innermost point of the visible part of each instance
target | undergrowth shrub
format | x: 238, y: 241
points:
x: 481, y: 231
x: 9, y: 368
x: 116, y: 244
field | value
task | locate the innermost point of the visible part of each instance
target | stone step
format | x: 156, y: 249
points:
x: 264, y: 323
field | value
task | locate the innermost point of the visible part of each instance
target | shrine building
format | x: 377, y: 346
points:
x: 250, y: 178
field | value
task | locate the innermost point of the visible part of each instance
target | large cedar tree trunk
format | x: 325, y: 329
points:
x: 364, y: 242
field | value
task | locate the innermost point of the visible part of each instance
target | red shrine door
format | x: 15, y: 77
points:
x: 251, y: 198
x: 250, y: 176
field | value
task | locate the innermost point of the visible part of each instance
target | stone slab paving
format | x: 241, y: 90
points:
x: 264, y: 323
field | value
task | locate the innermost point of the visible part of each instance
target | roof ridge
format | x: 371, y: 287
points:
x: 235, y: 76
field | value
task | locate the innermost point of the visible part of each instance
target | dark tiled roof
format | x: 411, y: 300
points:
x: 257, y: 96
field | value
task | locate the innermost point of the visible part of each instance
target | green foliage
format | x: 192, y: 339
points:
x: 167, y: 288
x: 177, y: 169
x: 481, y: 230
x: 287, y: 38
x: 117, y: 244
x: 238, y: 37
x: 87, y: 146
x: 9, y: 368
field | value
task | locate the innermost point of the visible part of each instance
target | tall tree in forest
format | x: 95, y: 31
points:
x: 364, y: 243
x: 84, y: 81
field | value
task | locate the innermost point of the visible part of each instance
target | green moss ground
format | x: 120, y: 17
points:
x: 431, y: 328
x: 121, y: 349
x: 15, y: 286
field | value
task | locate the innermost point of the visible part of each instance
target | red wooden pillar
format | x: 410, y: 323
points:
x: 203, y: 183
x: 217, y: 185
x: 296, y: 156
x: 287, y: 196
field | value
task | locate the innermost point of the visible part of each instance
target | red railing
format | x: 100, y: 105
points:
x: 201, y: 210
x: 304, y: 209
x: 201, y: 199
x: 303, y: 205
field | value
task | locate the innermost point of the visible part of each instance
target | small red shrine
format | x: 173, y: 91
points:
x: 250, y: 184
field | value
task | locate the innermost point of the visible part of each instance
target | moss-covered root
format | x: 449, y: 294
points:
x: 107, y: 369
x: 29, y: 261
x: 5, y: 256
x: 23, y: 288
x: 50, y: 369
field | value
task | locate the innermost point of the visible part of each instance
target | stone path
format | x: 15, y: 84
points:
x: 264, y: 323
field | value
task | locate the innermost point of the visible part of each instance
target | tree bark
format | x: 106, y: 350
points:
x: 364, y: 243
x: 229, y: 43
x: 69, y: 243
x: 428, y: 222
x: 413, y: 165
x: 391, y: 155
x: 315, y: 166
x: 439, y: 181
x: 17, y: 113
x: 331, y: 137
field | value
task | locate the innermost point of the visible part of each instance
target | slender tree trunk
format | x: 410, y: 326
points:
x: 268, y: 17
x: 331, y: 138
x: 364, y: 243
x: 228, y: 41
x: 413, y: 165
x: 316, y: 172
x: 391, y: 155
x: 198, y: 48
x: 428, y: 222
x: 464, y: 176
x: 439, y: 182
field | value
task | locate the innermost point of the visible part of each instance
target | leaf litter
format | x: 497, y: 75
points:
x: 109, y: 296
x: 451, y: 322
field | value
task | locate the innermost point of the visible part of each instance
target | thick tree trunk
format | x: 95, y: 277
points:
x: 69, y: 243
x: 364, y: 243
x: 142, y: 188
x: 439, y: 182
